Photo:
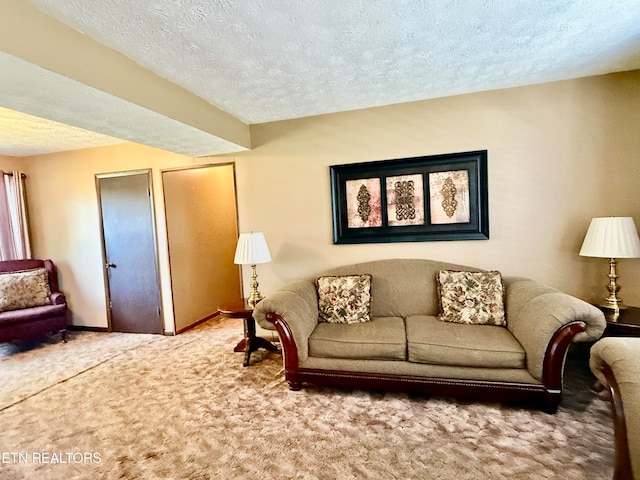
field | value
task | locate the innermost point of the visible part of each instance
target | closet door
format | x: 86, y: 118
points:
x: 130, y: 256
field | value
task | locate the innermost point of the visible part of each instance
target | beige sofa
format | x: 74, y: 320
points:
x: 616, y: 364
x: 406, y: 347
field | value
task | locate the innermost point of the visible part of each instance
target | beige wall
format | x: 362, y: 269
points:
x: 65, y: 220
x: 9, y: 164
x: 559, y: 154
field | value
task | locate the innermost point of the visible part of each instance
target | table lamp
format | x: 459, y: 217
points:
x: 252, y: 249
x: 612, y: 237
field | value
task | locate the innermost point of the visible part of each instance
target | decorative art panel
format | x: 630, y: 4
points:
x: 405, y: 200
x: 418, y: 199
x: 364, y: 208
x: 449, y: 200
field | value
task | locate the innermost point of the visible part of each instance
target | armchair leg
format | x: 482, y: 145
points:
x: 294, y: 385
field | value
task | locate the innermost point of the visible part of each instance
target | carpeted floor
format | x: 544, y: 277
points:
x: 118, y: 406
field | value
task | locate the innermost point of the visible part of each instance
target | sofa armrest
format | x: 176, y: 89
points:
x: 615, y: 361
x: 295, y: 307
x: 58, y: 298
x: 538, y: 314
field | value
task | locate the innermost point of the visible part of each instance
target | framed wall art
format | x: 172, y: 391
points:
x: 419, y: 199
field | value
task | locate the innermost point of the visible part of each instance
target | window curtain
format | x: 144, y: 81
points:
x: 14, y: 231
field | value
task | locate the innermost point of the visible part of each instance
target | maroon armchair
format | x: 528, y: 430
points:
x: 49, y: 315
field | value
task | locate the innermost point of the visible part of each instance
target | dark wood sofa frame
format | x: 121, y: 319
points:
x: 623, y: 469
x: 546, y: 397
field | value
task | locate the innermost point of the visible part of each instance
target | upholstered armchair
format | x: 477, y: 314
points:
x: 615, y: 361
x: 30, y: 301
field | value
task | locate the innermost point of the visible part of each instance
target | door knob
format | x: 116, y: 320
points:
x: 111, y: 265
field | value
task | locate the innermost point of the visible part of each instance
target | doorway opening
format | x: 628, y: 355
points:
x: 202, y: 231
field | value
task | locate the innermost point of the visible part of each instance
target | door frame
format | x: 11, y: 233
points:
x: 107, y: 293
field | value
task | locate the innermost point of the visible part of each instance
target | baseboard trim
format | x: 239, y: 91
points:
x: 197, y: 322
x: 87, y: 329
x: 182, y: 330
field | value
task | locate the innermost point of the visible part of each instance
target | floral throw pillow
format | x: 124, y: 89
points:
x: 29, y: 288
x: 471, y: 297
x: 344, y: 299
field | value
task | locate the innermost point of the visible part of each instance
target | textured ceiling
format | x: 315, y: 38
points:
x: 67, y: 102
x: 267, y: 60
x: 32, y: 135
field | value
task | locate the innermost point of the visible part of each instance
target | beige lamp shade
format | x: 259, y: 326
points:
x: 252, y: 249
x: 611, y: 237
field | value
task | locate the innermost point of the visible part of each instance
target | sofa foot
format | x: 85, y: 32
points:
x: 63, y: 335
x: 551, y: 403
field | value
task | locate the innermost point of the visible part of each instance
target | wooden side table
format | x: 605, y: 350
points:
x: 250, y: 343
x: 625, y: 324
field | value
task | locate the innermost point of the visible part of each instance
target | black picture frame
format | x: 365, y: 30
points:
x: 418, y: 199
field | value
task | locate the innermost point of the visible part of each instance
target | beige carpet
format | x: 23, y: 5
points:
x: 27, y: 368
x: 114, y: 406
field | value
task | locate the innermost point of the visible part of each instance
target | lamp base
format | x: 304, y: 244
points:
x: 613, y: 302
x: 254, y: 296
x: 613, y: 306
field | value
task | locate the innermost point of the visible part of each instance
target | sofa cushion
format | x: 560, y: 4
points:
x: 382, y: 338
x: 344, y: 299
x: 29, y: 288
x: 445, y: 343
x: 471, y: 297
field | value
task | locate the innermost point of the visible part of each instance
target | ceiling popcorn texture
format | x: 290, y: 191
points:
x: 34, y: 136
x: 272, y: 60
x: 41, y: 93
x: 268, y: 60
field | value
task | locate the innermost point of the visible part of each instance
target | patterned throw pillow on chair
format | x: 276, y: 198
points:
x: 471, y: 297
x: 344, y: 299
x: 28, y: 288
